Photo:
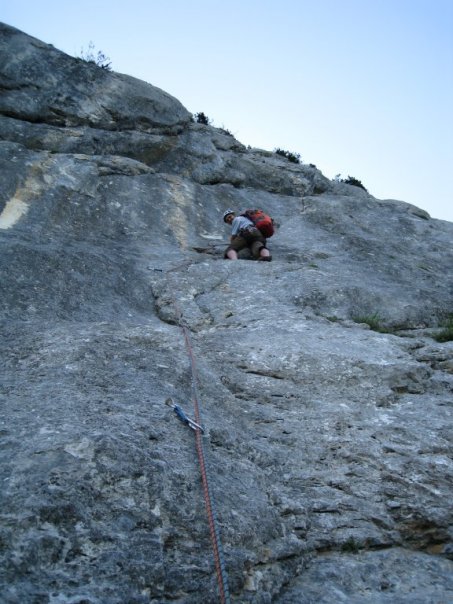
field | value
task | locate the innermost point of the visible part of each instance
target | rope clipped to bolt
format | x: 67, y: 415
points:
x: 196, y: 425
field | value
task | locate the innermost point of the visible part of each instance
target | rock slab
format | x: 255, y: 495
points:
x: 325, y: 399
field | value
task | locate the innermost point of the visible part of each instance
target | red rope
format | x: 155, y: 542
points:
x: 209, y: 502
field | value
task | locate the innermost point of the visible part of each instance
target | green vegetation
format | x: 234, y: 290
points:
x: 446, y: 334
x: 292, y: 157
x: 350, y: 180
x: 351, y: 546
x: 374, y: 321
x: 201, y: 118
x: 99, y: 59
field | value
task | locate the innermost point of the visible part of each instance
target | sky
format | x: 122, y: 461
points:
x: 360, y: 88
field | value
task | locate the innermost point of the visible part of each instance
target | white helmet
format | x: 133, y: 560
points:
x: 227, y: 213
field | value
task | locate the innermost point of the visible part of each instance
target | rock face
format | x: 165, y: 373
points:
x: 328, y: 443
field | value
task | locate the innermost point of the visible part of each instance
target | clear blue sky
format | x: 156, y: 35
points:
x: 357, y: 87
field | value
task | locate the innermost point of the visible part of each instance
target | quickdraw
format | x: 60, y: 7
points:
x: 183, y: 417
x: 222, y: 577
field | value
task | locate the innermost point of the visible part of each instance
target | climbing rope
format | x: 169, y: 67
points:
x: 222, y: 577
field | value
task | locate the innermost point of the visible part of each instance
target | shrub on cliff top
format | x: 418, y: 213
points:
x: 202, y: 118
x: 350, y: 180
x: 99, y: 59
x: 292, y: 157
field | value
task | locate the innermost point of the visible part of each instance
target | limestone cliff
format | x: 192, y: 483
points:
x: 328, y: 443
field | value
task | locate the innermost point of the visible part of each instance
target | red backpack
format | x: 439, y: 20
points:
x: 262, y: 221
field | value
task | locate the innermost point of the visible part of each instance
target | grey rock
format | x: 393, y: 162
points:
x: 325, y: 400
x: 43, y: 85
x: 395, y: 576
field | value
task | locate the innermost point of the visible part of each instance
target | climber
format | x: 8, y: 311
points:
x: 245, y: 234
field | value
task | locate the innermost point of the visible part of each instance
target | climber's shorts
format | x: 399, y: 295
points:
x: 252, y: 239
